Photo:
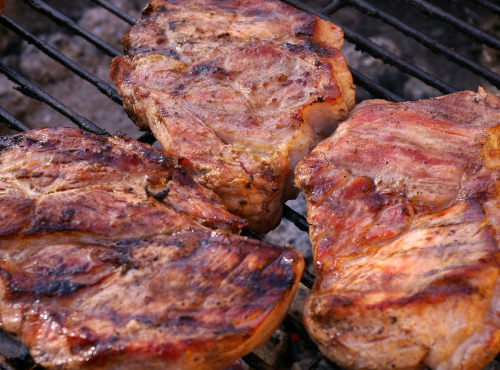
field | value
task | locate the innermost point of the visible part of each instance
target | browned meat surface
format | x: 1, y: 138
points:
x: 404, y: 209
x: 112, y: 257
x: 242, y: 89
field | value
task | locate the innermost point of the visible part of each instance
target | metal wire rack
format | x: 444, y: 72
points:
x: 395, y: 52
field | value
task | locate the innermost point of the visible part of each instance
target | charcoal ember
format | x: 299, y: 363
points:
x: 275, y: 350
x: 306, y: 356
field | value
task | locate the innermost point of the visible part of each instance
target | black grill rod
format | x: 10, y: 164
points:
x: 61, y: 58
x: 116, y: 11
x: 301, y: 223
x: 374, y: 88
x: 296, y: 218
x: 32, y: 91
x: 428, y: 42
x: 379, y: 52
x: 11, y: 121
x: 255, y: 362
x: 307, y: 279
x: 488, y: 5
x: 387, y: 57
x: 69, y: 24
x: 335, y: 5
x: 466, y: 28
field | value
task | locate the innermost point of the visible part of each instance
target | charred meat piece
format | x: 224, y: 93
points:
x: 113, y: 257
x: 240, y: 89
x: 403, y: 202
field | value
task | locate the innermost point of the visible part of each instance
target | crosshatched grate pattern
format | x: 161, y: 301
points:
x: 55, y: 58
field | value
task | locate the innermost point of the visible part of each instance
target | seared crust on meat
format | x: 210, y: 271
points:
x: 404, y: 208
x: 241, y: 89
x: 111, y: 257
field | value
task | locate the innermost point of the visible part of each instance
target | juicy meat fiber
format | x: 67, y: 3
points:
x: 113, y: 257
x: 241, y: 89
x: 404, y: 211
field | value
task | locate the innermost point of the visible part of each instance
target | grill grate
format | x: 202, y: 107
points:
x: 393, y: 54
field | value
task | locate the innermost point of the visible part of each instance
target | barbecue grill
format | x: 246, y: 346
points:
x: 396, y: 51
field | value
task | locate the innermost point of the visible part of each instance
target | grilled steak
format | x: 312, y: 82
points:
x: 113, y: 257
x: 241, y: 89
x: 404, y: 210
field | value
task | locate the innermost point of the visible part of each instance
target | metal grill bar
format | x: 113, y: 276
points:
x: 32, y: 91
x: 361, y: 80
x: 11, y: 121
x: 116, y: 11
x: 389, y: 58
x: 466, y: 28
x: 379, y: 52
x: 372, y: 87
x: 296, y: 218
x: 307, y: 279
x: 66, y: 22
x: 61, y: 58
x: 428, y: 42
x: 488, y: 5
x: 256, y: 362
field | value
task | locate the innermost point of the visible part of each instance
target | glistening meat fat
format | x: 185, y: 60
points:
x: 112, y: 257
x: 403, y: 202
x: 240, y: 89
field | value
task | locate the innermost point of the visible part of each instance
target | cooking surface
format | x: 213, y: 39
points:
x: 395, y: 52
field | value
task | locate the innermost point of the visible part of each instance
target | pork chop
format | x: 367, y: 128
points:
x: 113, y: 257
x: 241, y: 89
x: 403, y: 202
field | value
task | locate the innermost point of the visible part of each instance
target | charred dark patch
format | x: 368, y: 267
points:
x: 68, y: 215
x: 295, y: 48
x: 183, y: 178
x: 169, y: 53
x: 308, y: 26
x: 160, y: 195
x: 15, y: 214
x: 185, y: 319
x: 318, y: 49
x: 202, y: 69
x: 268, y: 173
x: 172, y: 26
x: 220, y: 72
x: 149, y: 154
x: 120, y: 257
x: 8, y: 142
x: 208, y: 69
x: 147, y: 11
x: 47, y: 288
x: 4, y: 274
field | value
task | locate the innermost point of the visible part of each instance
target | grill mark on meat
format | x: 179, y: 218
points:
x: 48, y: 288
x: 406, y: 243
x: 253, y: 87
x: 103, y: 267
